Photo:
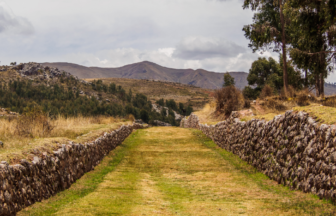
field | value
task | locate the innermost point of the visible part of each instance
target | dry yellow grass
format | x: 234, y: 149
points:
x: 323, y: 114
x: 207, y: 114
x: 78, y: 129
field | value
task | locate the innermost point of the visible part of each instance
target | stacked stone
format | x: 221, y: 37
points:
x: 23, y: 184
x: 291, y: 149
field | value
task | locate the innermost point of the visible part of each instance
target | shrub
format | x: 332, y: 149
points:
x: 331, y: 102
x: 131, y: 117
x: 275, y: 104
x: 247, y: 104
x: 33, y: 123
x: 250, y: 93
x: 228, y: 99
x: 303, y: 98
x: 267, y: 91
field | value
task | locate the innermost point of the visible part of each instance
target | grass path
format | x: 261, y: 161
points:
x: 174, y: 171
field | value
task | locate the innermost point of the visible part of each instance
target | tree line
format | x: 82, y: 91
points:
x: 63, y: 99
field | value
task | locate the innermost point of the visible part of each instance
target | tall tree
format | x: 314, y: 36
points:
x: 268, y: 71
x: 268, y: 30
x: 313, y: 34
x: 228, y: 80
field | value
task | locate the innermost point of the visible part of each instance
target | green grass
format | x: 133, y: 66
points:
x: 175, y: 171
x: 308, y: 206
x: 84, y: 186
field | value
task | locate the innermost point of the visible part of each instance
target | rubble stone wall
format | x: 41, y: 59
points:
x: 23, y: 184
x: 291, y: 149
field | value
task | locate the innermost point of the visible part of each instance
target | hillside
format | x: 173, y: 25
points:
x: 152, y: 71
x: 155, y: 90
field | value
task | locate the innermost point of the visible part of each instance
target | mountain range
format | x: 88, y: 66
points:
x: 149, y: 70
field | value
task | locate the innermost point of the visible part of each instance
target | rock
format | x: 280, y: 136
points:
x: 160, y: 123
x: 139, y: 121
x: 291, y: 149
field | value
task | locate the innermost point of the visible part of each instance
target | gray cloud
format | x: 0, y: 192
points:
x: 198, y: 48
x: 10, y: 23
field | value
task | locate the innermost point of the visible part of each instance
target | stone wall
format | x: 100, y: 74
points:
x: 291, y: 149
x: 23, y: 184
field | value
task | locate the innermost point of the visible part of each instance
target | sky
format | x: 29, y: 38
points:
x: 109, y: 33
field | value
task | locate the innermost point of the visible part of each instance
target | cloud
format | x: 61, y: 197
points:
x: 199, y: 48
x: 10, y: 23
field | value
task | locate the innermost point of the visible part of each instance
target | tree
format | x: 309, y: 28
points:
x: 268, y: 71
x: 144, y: 116
x: 313, y: 38
x: 268, y: 30
x: 228, y: 80
x: 160, y: 102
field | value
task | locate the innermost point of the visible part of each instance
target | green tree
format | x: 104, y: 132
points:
x: 228, y: 80
x: 269, y: 29
x: 313, y: 42
x: 144, y: 116
x: 268, y: 71
x: 160, y: 102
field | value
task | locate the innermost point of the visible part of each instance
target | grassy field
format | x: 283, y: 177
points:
x: 77, y: 129
x: 155, y: 90
x: 174, y: 171
x: 322, y: 114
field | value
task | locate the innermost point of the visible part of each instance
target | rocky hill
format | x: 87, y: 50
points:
x: 152, y: 71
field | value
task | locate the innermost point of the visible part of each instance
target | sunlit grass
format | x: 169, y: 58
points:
x: 78, y: 129
x: 174, y: 171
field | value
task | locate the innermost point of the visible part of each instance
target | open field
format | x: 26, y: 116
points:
x: 174, y: 171
x: 77, y: 129
x: 155, y: 90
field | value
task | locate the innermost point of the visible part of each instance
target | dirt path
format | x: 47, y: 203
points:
x: 174, y: 171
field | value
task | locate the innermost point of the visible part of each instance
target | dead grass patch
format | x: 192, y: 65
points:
x: 78, y: 129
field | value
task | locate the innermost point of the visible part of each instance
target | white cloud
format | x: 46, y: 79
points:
x: 198, y: 48
x: 10, y: 23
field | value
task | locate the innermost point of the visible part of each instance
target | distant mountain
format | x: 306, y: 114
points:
x: 149, y: 70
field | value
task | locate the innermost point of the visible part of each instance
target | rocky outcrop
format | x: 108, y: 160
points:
x: 291, y: 149
x: 32, y: 68
x: 23, y: 184
x: 158, y: 109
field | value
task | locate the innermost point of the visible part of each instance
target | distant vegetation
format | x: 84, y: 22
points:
x: 172, y: 105
x: 65, y: 98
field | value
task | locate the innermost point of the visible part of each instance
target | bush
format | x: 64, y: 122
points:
x: 32, y: 122
x: 228, y: 99
x: 267, y: 91
x: 274, y: 104
x: 303, y: 98
x: 247, y: 104
x: 131, y: 117
x: 250, y: 93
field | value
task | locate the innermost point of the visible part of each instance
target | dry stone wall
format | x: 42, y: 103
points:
x: 291, y: 149
x: 23, y: 184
